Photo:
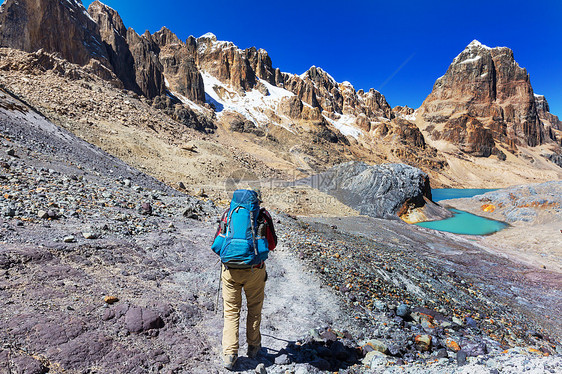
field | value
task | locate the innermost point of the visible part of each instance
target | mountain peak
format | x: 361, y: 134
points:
x: 476, y: 44
x: 208, y: 35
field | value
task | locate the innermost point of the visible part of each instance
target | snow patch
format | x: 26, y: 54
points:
x: 253, y: 104
x: 471, y: 60
x: 476, y: 44
x: 412, y: 117
x: 345, y: 125
x: 75, y: 4
x: 208, y: 35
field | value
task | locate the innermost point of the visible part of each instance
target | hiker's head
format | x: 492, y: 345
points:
x: 258, y: 193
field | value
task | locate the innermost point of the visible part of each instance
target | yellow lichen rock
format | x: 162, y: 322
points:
x: 488, y: 208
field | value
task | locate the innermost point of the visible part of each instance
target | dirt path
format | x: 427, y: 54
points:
x: 295, y: 303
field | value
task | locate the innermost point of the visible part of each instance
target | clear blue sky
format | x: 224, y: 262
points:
x: 397, y: 47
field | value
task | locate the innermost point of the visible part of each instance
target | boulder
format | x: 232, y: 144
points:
x: 380, y: 191
x: 141, y: 319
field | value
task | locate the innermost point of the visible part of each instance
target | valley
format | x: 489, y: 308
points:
x: 119, y: 151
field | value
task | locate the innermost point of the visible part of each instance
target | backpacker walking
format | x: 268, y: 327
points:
x: 243, y: 240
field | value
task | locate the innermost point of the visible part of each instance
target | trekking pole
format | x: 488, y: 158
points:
x: 219, y: 290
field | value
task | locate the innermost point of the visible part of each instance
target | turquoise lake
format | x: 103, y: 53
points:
x: 463, y: 222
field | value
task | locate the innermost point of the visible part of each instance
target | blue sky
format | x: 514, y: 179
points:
x: 397, y: 47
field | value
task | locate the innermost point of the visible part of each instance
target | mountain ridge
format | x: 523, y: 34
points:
x: 310, y: 121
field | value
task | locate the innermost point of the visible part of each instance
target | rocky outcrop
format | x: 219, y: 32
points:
x: 226, y: 62
x: 552, y: 124
x: 64, y: 27
x: 402, y: 111
x: 319, y: 89
x: 114, y: 36
x: 470, y: 135
x: 147, y: 67
x: 487, y: 84
x: 380, y: 191
x: 178, y: 61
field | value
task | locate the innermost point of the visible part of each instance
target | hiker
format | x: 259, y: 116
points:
x: 243, y: 240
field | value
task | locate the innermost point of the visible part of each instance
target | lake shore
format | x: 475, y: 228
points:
x: 535, y: 218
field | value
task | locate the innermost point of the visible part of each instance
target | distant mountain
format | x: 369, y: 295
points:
x: 486, y: 99
x: 483, y: 106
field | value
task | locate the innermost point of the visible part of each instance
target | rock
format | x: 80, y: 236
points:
x: 52, y: 214
x: 90, y: 235
x: 9, y: 211
x: 68, y: 30
x: 485, y: 83
x: 475, y: 349
x: 11, y: 152
x: 452, y: 344
x: 329, y: 336
x: 458, y: 321
x: 380, y: 191
x: 179, y: 66
x: 423, y: 342
x: 543, y: 110
x: 69, y: 239
x: 470, y: 322
x: 377, y: 345
x: 291, y: 107
x: 403, y: 311
x: 111, y: 299
x: 42, y: 214
x: 282, y: 360
x: 145, y: 209
x: 127, y: 182
x: 181, y: 186
x: 442, y: 353
x: 461, y: 358
x: 372, y: 358
x: 141, y: 319
x: 260, y: 369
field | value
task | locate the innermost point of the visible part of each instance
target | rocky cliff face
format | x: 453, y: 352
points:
x: 114, y: 36
x: 54, y: 26
x: 550, y: 121
x: 178, y: 61
x: 488, y: 85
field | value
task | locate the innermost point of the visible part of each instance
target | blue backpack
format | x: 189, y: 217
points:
x: 237, y: 242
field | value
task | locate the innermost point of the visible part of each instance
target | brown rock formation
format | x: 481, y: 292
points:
x: 291, y: 107
x: 226, y: 62
x: 544, y: 112
x: 54, y: 26
x: 319, y: 90
x: 487, y: 84
x: 470, y: 135
x: 114, y: 36
x: 402, y: 111
x: 261, y: 64
x: 178, y: 61
x: 147, y: 67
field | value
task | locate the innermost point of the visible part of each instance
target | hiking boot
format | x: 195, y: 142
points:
x: 253, y: 350
x: 229, y: 361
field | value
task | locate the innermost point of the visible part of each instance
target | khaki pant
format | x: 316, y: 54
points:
x: 253, y: 282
